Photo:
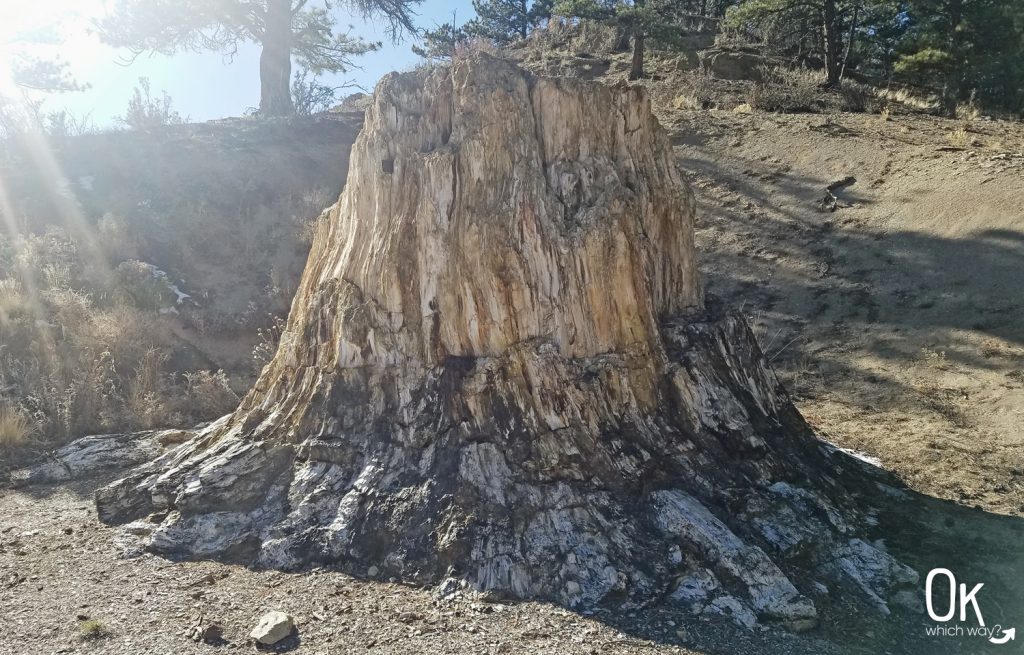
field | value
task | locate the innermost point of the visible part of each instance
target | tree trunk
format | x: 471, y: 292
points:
x: 275, y: 61
x: 636, y: 68
x: 831, y: 34
x: 952, y: 86
x: 500, y: 367
x: 849, y: 41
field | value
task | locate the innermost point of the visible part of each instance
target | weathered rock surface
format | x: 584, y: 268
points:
x: 727, y: 64
x: 500, y: 368
x: 95, y: 454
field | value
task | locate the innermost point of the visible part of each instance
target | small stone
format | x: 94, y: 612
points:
x: 572, y: 588
x: 372, y: 572
x: 272, y: 628
x: 682, y: 634
x: 675, y: 555
x: 211, y: 633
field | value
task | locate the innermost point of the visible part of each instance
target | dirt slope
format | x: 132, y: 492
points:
x: 897, y: 319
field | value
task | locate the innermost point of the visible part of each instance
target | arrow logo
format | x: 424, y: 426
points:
x: 1008, y: 635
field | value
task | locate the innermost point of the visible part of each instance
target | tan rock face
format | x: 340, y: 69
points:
x: 499, y: 367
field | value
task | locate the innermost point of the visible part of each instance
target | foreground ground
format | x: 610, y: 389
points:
x: 895, y: 320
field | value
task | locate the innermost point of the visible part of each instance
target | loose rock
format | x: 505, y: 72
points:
x: 272, y: 628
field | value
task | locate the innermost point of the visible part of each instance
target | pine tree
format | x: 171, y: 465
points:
x: 502, y: 21
x: 642, y: 19
x: 283, y: 28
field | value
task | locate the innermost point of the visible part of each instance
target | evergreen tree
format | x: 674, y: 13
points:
x: 824, y: 27
x: 641, y: 19
x: 502, y: 21
x: 965, y: 48
x: 440, y: 43
x: 283, y: 29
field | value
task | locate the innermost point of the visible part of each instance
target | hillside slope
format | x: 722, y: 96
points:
x: 896, y: 317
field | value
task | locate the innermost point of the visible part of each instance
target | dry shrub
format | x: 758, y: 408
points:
x: 76, y: 368
x: 959, y: 137
x: 209, y: 395
x: 786, y: 90
x: 270, y: 337
x: 118, y: 239
x: 699, y: 88
x: 909, y: 97
x: 140, y: 284
x: 854, y: 97
x: 968, y: 111
x: 12, y: 302
x: 688, y: 90
x: 574, y: 36
x: 147, y: 401
x: 790, y: 90
x: 15, y: 427
x: 470, y: 47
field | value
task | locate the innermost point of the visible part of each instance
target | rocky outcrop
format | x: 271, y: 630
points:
x: 727, y: 64
x: 500, y: 368
x: 98, y: 454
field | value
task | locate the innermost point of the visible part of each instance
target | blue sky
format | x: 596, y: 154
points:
x: 202, y: 86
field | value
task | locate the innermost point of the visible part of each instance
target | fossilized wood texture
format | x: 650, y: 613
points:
x: 499, y: 367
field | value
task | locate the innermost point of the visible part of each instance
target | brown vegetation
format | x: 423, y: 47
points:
x: 126, y: 303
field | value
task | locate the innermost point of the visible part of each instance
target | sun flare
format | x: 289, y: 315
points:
x: 47, y: 30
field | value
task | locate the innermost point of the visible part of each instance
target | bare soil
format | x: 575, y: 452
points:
x: 896, y: 319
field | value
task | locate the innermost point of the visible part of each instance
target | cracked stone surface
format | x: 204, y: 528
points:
x: 500, y: 369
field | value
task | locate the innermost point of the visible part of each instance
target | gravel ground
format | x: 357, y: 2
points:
x: 62, y: 574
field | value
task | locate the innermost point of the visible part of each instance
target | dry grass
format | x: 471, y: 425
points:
x: 11, y: 300
x: 210, y: 392
x: 82, y: 363
x: 790, y: 90
x: 968, y: 111
x: 582, y: 36
x: 15, y: 427
x: 909, y: 98
x: 786, y: 90
x: 959, y: 137
x: 92, y: 630
x: 89, y: 338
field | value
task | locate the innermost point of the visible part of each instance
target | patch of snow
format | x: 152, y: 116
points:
x: 162, y: 276
x: 864, y: 457
x: 178, y: 292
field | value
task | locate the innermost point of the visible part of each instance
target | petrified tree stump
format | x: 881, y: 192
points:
x: 500, y: 367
